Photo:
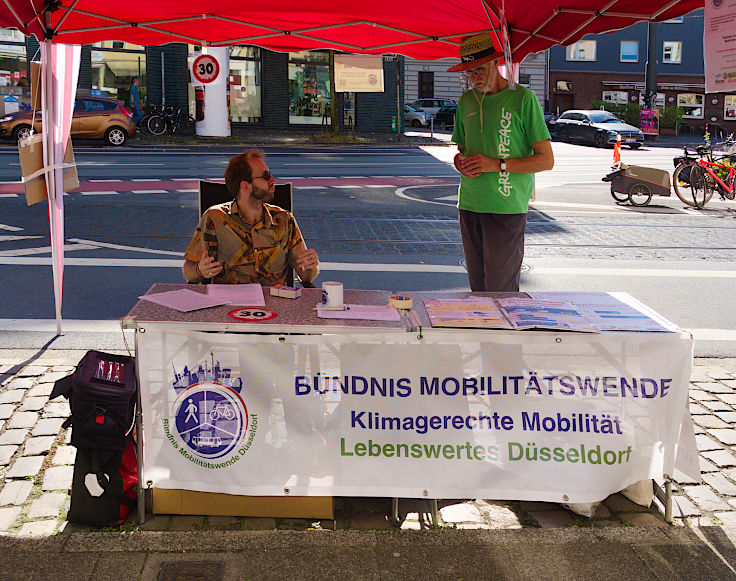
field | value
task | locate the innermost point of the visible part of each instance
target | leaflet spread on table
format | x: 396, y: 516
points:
x: 558, y: 311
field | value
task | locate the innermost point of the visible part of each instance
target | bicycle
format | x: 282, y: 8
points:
x: 174, y: 121
x: 681, y: 177
x: 705, y: 180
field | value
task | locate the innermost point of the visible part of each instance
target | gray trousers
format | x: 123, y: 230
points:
x: 494, y: 248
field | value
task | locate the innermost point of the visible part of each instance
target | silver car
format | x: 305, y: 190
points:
x: 415, y: 117
x: 431, y: 105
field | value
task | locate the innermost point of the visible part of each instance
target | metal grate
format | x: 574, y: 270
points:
x: 191, y: 571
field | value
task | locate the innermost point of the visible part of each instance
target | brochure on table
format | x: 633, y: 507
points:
x: 571, y: 311
x: 615, y: 311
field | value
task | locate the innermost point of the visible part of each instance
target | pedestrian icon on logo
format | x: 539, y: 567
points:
x: 191, y: 412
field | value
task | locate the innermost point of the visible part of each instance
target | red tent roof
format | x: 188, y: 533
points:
x: 426, y: 30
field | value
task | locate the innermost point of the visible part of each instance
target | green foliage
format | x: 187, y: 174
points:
x: 627, y: 112
x: 671, y: 117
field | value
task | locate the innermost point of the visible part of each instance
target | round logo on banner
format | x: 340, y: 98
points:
x: 205, y: 68
x: 210, y: 418
x: 251, y: 314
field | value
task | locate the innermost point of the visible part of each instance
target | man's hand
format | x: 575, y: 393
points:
x: 208, y: 267
x: 474, y: 165
x: 307, y: 264
x: 308, y: 259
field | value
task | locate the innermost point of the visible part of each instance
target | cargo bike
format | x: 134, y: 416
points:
x: 637, y: 184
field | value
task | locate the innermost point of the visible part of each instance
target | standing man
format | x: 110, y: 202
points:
x: 503, y: 142
x: 248, y: 240
x: 134, y: 100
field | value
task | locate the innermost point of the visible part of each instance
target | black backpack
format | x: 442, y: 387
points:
x: 102, y: 395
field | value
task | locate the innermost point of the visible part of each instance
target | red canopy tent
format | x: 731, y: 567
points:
x: 427, y: 31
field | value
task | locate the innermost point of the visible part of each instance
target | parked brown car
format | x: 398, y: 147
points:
x: 94, y: 118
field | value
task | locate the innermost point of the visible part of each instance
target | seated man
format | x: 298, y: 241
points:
x: 248, y: 240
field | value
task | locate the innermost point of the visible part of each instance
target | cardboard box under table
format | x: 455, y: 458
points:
x: 293, y: 316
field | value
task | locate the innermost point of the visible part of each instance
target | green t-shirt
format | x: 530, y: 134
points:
x: 512, y: 121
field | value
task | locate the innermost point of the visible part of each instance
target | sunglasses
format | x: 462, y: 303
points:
x: 477, y: 72
x: 266, y: 176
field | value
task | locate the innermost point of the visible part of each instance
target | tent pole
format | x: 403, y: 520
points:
x: 47, y: 107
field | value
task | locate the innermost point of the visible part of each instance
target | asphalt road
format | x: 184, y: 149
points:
x: 379, y: 218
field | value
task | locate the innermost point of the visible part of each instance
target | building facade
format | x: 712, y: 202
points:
x: 612, y: 67
x: 267, y: 89
x: 425, y: 79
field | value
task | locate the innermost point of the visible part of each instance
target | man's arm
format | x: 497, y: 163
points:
x: 307, y: 263
x: 207, y: 267
x: 542, y: 159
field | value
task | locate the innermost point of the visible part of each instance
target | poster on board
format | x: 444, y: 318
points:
x: 719, y: 40
x: 358, y: 73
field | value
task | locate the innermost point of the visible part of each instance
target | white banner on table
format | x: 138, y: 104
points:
x: 531, y: 416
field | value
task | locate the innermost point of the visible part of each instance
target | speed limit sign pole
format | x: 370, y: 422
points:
x: 209, y: 73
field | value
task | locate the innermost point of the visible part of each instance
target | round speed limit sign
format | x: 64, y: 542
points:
x: 205, y: 68
x: 251, y: 315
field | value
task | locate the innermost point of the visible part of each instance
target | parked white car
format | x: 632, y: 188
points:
x: 415, y: 117
x: 431, y: 106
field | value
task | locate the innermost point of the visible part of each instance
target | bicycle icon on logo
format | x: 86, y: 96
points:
x: 222, y: 409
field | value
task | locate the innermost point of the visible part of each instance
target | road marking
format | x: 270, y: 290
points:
x: 145, y: 180
x: 11, y: 238
x: 9, y: 195
x: 118, y: 180
x: 186, y: 191
x: 10, y: 228
x: 123, y: 247
x: 42, y: 250
x: 149, y: 191
x: 108, y: 193
x: 310, y: 187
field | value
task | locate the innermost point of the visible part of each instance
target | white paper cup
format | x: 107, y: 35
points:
x: 332, y: 295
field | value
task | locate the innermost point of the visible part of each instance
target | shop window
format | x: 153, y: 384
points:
x: 524, y: 80
x: 114, y: 64
x: 729, y: 107
x: 245, y: 84
x: 309, y: 88
x: 692, y: 103
x: 583, y: 50
x: 348, y: 109
x: 12, y: 58
x: 616, y: 96
x: 629, y: 52
x: 672, y: 51
x: 658, y: 100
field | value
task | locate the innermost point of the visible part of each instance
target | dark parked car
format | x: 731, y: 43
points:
x: 597, y: 127
x: 445, y: 117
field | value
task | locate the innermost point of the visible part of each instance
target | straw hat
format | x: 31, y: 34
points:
x: 475, y: 50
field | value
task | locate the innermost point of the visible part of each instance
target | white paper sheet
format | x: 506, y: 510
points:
x: 612, y: 311
x: 540, y: 314
x: 242, y: 295
x: 183, y: 300
x: 362, y: 312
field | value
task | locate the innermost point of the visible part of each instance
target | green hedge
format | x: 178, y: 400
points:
x: 669, y: 117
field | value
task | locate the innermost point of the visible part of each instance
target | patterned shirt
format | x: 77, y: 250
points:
x: 260, y: 253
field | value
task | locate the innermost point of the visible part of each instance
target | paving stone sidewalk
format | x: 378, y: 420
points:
x: 36, y: 466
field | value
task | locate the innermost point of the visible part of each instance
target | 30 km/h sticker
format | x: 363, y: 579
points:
x: 251, y: 314
x: 205, y: 68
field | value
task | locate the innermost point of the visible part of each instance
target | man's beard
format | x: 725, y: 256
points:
x: 261, y: 194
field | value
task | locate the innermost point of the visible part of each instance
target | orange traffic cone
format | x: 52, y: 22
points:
x: 617, y: 150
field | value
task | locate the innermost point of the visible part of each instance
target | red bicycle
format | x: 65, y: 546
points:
x: 709, y: 176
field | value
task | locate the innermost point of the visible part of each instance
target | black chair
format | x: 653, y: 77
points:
x: 211, y: 193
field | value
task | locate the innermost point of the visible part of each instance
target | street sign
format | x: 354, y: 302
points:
x: 205, y: 68
x: 251, y: 314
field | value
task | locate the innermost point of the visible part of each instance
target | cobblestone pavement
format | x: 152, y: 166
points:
x: 36, y: 465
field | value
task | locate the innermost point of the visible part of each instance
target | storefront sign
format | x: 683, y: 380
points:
x: 468, y: 415
x: 358, y: 74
